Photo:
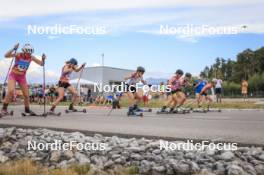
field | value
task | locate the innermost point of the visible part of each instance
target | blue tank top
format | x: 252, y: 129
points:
x: 200, y: 86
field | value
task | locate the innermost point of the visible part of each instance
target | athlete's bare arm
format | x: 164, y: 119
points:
x: 205, y: 88
x: 170, y: 81
x: 39, y: 62
x: 128, y: 77
x: 144, y: 82
x: 10, y: 53
x: 80, y: 68
x: 67, y: 68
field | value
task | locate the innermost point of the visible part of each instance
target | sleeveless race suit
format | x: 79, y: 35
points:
x: 19, y: 70
x: 175, y: 85
x: 64, y: 79
x: 131, y: 86
x: 200, y: 86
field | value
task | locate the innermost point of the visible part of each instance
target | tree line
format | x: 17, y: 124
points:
x: 248, y: 65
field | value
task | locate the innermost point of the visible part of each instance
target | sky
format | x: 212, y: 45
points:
x: 129, y: 34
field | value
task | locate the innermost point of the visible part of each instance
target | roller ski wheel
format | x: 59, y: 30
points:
x: 75, y: 110
x: 200, y: 110
x: 6, y: 113
x: 177, y: 111
x: 143, y: 110
x: 214, y: 110
x: 149, y: 110
x: 23, y: 114
x: 163, y: 112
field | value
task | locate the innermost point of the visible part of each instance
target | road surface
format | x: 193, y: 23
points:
x: 245, y: 127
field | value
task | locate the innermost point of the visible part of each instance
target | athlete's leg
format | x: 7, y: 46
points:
x: 60, y: 97
x: 73, y: 91
x: 210, y: 100
x: 183, y: 98
x: 24, y: 89
x: 200, y: 100
x: 174, y: 101
x: 130, y: 95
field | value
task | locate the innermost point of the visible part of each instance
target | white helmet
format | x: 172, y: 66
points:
x: 27, y: 48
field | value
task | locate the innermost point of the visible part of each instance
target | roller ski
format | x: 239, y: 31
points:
x: 72, y: 110
x: 143, y: 110
x: 75, y: 110
x: 200, y: 110
x: 31, y: 114
x: 181, y: 110
x: 214, y: 110
x: 164, y: 111
x: 171, y: 111
x: 6, y: 113
x: 132, y: 112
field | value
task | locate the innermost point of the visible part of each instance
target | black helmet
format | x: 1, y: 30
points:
x: 189, y: 75
x: 141, y: 69
x: 73, y: 61
x: 179, y: 71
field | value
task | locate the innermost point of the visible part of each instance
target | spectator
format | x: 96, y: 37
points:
x: 244, y: 89
x: 218, y: 90
x: 146, y: 95
x: 162, y: 90
x: 89, y: 95
x: 40, y: 94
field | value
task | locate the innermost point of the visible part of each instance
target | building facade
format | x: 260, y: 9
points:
x: 103, y: 75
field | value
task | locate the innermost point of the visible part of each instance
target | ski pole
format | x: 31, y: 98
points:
x: 8, y: 72
x: 44, y: 84
x: 77, y: 85
x: 109, y: 113
x: 79, y: 78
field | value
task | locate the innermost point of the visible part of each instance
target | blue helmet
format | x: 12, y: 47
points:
x: 73, y: 61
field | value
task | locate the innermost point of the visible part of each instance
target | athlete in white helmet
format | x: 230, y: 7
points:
x: 18, y: 74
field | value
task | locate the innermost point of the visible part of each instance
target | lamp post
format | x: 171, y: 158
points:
x: 102, y: 59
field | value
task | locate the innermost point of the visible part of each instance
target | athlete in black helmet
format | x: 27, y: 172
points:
x: 64, y: 84
x: 141, y: 69
x: 132, y: 91
x: 175, y: 84
x: 179, y: 71
x: 184, y: 85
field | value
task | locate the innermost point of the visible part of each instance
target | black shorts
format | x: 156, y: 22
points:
x: 175, y: 91
x: 204, y: 94
x: 218, y: 90
x: 131, y: 88
x: 64, y: 85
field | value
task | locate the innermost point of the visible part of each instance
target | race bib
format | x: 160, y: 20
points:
x: 22, y: 65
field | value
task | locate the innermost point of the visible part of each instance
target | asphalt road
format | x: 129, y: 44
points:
x: 245, y: 127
